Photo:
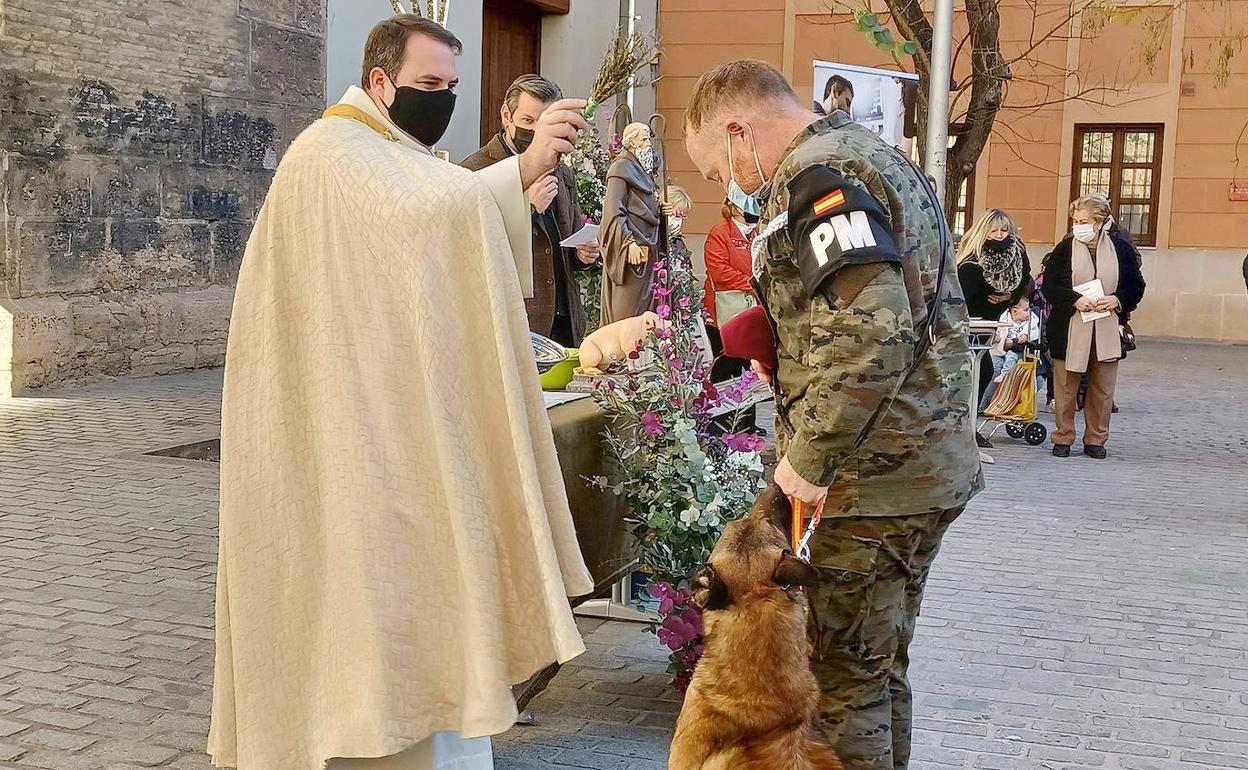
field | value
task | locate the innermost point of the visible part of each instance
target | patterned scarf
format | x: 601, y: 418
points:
x: 1002, y: 263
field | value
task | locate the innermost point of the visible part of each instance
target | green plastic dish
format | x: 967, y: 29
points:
x: 558, y: 376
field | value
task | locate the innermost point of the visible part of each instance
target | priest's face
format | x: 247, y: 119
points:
x: 428, y: 65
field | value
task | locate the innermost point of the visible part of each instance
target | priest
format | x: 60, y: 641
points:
x: 396, y: 548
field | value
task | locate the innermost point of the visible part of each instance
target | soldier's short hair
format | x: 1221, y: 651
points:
x: 745, y: 81
x: 387, y: 41
x: 536, y: 86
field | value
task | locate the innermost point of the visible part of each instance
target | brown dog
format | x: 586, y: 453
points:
x: 753, y: 701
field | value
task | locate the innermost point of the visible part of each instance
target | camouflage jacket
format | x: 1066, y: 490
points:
x: 856, y: 208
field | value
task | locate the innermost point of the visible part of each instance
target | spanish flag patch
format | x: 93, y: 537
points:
x: 828, y: 202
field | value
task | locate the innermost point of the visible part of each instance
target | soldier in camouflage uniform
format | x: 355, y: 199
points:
x: 846, y: 263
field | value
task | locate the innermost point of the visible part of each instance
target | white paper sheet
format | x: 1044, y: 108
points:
x: 585, y: 235
x: 554, y: 398
x: 1092, y: 290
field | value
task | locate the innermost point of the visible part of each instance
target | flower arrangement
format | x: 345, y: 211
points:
x: 683, y: 480
x: 589, y: 163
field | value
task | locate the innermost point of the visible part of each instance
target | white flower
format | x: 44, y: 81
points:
x: 689, y: 516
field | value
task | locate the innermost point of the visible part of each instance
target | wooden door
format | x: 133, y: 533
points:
x: 511, y: 47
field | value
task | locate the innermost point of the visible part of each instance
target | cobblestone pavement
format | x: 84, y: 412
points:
x: 1083, y: 614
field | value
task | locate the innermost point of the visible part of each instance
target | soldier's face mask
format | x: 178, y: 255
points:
x: 749, y: 204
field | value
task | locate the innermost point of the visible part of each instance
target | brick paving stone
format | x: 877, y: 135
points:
x: 9, y: 752
x: 57, y: 739
x: 1082, y: 614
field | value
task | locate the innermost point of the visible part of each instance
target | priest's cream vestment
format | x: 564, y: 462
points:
x: 396, y: 546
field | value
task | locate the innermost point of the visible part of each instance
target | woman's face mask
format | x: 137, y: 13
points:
x: 1085, y: 231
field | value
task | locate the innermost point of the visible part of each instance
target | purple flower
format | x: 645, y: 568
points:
x: 676, y: 631
x: 685, y: 302
x: 667, y: 596
x: 652, y: 423
x: 744, y: 442
x: 663, y: 332
x: 664, y: 311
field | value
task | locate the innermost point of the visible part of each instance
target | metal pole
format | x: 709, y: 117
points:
x: 938, y: 93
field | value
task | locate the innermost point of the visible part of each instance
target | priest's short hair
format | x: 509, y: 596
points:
x: 387, y: 41
x: 536, y: 86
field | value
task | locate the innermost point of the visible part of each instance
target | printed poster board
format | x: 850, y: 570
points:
x: 878, y: 97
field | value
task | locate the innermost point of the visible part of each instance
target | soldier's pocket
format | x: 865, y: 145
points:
x: 842, y: 601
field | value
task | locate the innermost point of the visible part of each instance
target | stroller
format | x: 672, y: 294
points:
x: 1013, y: 403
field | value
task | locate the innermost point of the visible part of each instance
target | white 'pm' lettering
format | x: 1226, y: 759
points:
x: 849, y: 231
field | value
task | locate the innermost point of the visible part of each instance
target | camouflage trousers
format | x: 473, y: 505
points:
x: 864, y: 613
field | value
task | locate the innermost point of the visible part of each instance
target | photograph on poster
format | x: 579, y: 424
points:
x: 873, y: 96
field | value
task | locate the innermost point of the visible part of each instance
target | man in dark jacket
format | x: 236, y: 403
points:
x: 555, y: 309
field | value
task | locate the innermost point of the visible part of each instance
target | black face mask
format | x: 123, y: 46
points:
x: 522, y: 139
x: 750, y: 219
x: 1005, y: 244
x: 423, y: 115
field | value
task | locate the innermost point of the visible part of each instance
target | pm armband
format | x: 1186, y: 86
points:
x: 834, y: 223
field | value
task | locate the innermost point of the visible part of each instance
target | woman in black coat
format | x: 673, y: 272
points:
x: 1094, y: 251
x: 993, y: 267
x: 995, y: 273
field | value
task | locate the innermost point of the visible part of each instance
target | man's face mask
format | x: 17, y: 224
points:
x: 749, y: 204
x: 521, y: 138
x: 423, y: 115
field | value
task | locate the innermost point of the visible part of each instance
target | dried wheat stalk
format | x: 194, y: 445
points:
x: 626, y: 54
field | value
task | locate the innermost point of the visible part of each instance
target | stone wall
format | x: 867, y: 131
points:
x: 137, y: 141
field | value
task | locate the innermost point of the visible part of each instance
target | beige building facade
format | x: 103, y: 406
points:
x: 1142, y: 104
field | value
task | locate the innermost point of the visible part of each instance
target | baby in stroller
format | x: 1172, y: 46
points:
x: 1012, y: 340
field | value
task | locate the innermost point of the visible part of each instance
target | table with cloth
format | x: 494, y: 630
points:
x: 598, y: 514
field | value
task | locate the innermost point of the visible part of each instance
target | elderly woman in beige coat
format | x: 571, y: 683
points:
x: 1080, y: 342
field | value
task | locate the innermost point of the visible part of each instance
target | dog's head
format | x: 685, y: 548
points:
x: 754, y: 556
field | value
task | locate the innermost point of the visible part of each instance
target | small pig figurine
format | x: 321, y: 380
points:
x: 614, y: 341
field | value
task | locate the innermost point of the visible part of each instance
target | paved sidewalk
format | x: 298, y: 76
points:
x: 1083, y: 614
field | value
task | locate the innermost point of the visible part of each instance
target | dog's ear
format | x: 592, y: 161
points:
x: 718, y: 597
x: 709, y: 592
x: 773, y: 504
x: 792, y: 571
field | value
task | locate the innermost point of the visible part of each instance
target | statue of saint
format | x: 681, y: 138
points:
x: 630, y: 228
